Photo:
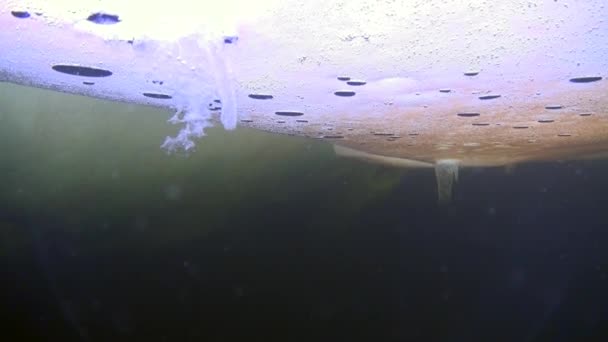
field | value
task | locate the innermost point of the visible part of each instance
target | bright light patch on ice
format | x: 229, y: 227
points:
x: 157, y: 20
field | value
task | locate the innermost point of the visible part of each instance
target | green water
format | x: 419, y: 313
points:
x: 95, y: 165
x: 87, y: 193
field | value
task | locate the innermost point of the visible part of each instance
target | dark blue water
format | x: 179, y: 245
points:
x: 519, y: 257
x: 262, y: 237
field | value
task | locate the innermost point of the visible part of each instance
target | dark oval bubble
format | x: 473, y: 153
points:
x: 261, y: 96
x: 334, y: 136
x: 554, y: 107
x: 546, y: 120
x: 103, y: 18
x: 288, y: 113
x: 585, y: 79
x: 489, y: 97
x: 20, y: 14
x: 356, y: 83
x: 471, y: 73
x: 468, y: 115
x: 157, y: 96
x: 343, y: 78
x: 445, y: 90
x: 480, y: 124
x: 520, y: 127
x: 246, y: 120
x: 78, y: 70
x: 230, y: 39
x: 344, y: 93
x: 88, y: 83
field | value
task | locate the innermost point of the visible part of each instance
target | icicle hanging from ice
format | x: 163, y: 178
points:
x: 204, y: 77
x: 446, y: 172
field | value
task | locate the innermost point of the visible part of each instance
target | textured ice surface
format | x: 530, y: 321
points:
x: 187, y: 39
x: 422, y: 80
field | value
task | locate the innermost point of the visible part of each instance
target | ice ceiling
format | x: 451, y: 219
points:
x: 479, y: 83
